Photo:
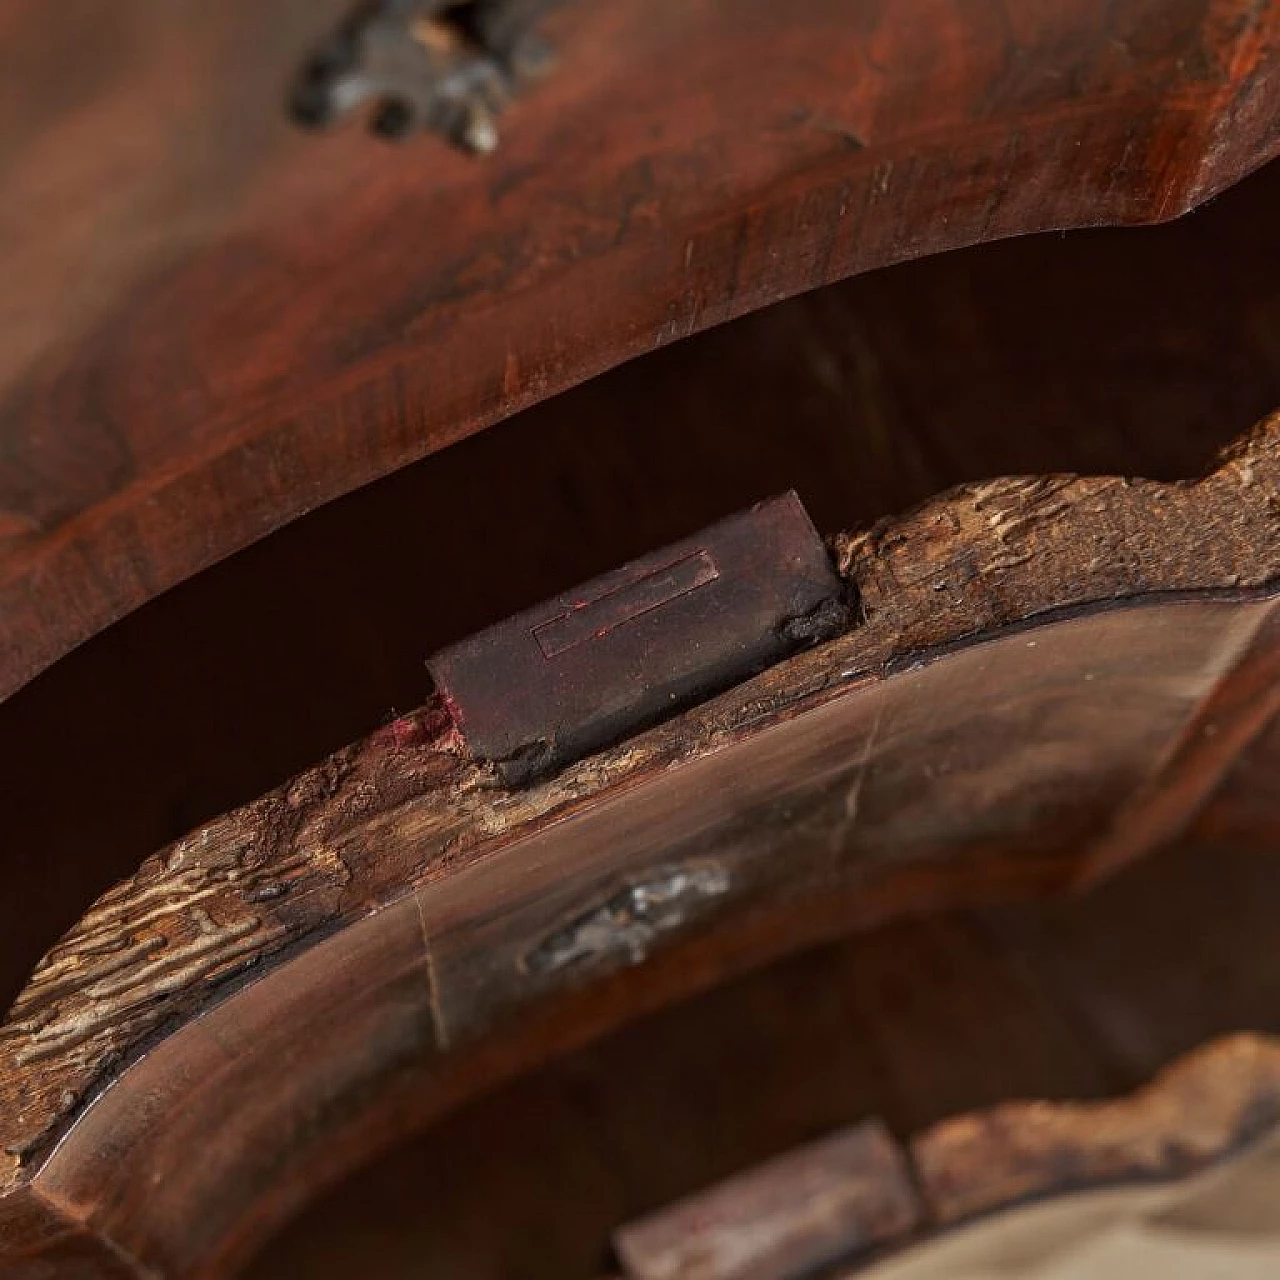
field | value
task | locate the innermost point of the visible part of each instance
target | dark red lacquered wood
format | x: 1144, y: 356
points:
x: 213, y: 322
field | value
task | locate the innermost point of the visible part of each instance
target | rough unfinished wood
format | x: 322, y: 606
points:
x: 214, y: 322
x: 405, y: 810
x: 1159, y: 347
x: 857, y: 1191
x: 991, y: 554
x: 217, y: 903
x: 1211, y: 1103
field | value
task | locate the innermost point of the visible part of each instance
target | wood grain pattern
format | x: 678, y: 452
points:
x: 1138, y: 352
x: 215, y: 324
x: 799, y: 828
x: 1083, y: 997
x: 955, y: 567
x: 496, y: 874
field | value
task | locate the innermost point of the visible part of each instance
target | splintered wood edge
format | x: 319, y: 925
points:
x: 860, y: 1190
x: 1210, y: 1103
x: 406, y: 806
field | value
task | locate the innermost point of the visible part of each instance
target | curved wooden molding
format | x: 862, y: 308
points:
x: 289, y: 986
x: 1208, y: 1104
x: 213, y: 323
x: 1037, y: 1181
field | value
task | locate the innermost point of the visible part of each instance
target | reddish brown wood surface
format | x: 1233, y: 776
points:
x: 779, y: 834
x: 1137, y: 352
x: 213, y: 323
x: 394, y: 929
